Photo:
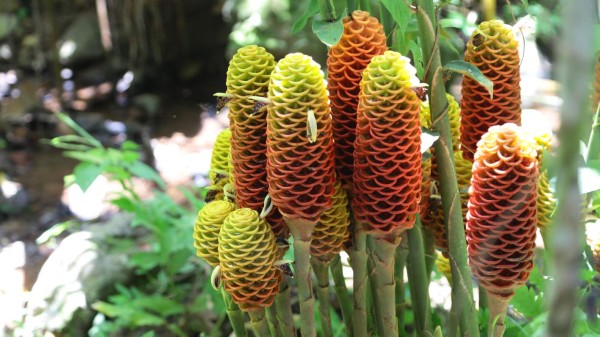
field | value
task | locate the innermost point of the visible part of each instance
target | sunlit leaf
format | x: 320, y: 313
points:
x: 472, y: 71
x: 85, y: 173
x: 428, y: 137
x: 399, y: 12
x: 142, y: 170
x: 328, y: 32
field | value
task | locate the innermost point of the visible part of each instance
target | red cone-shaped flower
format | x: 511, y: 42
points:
x: 299, y: 139
x: 363, y: 38
x: 494, y: 50
x: 387, y: 157
x: 501, y: 223
x: 248, y: 75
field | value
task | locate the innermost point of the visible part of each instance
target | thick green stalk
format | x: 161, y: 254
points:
x: 399, y: 264
x: 373, y: 286
x: 593, y: 148
x: 342, y: 294
x: 384, y: 254
x: 418, y: 280
x: 575, y: 66
x: 273, y: 322
x: 322, y: 273
x: 463, y: 305
x: 259, y: 322
x: 327, y: 10
x: 483, y: 298
x: 305, y: 290
x: 236, y: 316
x: 283, y: 304
x: 430, y: 254
x: 358, y: 261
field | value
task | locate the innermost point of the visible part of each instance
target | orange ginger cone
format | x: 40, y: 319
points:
x: 300, y: 167
x: 363, y: 38
x: 501, y: 222
x: 494, y: 50
x: 387, y: 166
x: 248, y: 75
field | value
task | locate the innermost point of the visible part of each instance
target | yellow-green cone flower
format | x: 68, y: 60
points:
x: 332, y: 230
x: 206, y: 229
x: 247, y: 254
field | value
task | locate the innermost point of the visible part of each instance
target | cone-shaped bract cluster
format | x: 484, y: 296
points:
x: 363, y: 38
x: 248, y: 75
x: 247, y: 253
x: 300, y: 172
x: 546, y: 202
x: 219, y: 166
x: 206, y: 229
x: 332, y: 230
x: 494, y: 50
x: 501, y: 223
x: 387, y: 157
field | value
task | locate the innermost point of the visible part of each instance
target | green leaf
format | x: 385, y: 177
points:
x: 417, y: 56
x: 328, y: 32
x: 178, y: 260
x: 54, y: 231
x: 399, y: 12
x: 71, y: 123
x: 124, y: 203
x: 428, y: 138
x: 472, y: 71
x: 527, y: 302
x: 85, y: 174
x: 159, y: 304
x: 312, y: 9
x: 95, y: 156
x: 144, y: 171
x: 144, y: 260
x: 128, y: 145
x: 148, y: 334
x: 107, y: 309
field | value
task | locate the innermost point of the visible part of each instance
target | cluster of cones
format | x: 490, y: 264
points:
x: 305, y: 152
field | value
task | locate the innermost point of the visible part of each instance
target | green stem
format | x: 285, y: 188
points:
x: 463, y: 305
x: 418, y: 280
x: 574, y: 69
x: 498, y: 306
x: 322, y: 273
x: 341, y: 291
x: 483, y: 299
x: 327, y: 10
x: 305, y: 290
x: 236, y: 316
x: 273, y: 322
x: 400, y: 263
x: 430, y: 254
x: 283, y: 304
x: 593, y: 148
x: 358, y: 261
x: 384, y: 254
x: 259, y: 322
x: 373, y: 286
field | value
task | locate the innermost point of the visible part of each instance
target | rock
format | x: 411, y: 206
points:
x: 79, y: 272
x: 81, y: 41
x: 13, y: 198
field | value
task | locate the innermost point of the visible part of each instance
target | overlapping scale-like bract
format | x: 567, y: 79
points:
x: 424, y: 202
x: 501, y: 222
x: 300, y: 172
x: 363, y: 38
x: 206, y: 229
x: 546, y: 202
x: 219, y: 166
x: 494, y: 50
x: 387, y: 157
x: 247, y: 253
x: 332, y: 230
x: 248, y: 75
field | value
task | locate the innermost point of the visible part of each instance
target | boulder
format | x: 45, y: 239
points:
x: 79, y: 272
x: 81, y: 41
